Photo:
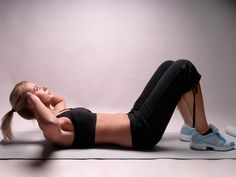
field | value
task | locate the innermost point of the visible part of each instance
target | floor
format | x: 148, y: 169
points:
x: 118, y: 168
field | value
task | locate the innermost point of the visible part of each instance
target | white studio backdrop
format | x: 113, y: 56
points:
x: 99, y: 54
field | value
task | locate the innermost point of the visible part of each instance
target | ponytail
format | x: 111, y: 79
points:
x: 18, y: 102
x: 6, y: 125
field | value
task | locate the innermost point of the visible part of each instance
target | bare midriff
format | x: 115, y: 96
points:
x: 113, y: 129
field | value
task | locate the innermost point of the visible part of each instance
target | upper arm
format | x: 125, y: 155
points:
x: 60, y: 133
x: 64, y: 138
x: 51, y: 130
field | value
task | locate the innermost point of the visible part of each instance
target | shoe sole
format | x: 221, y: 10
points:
x: 185, y: 138
x: 203, y: 147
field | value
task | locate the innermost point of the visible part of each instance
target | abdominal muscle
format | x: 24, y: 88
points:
x: 113, y: 129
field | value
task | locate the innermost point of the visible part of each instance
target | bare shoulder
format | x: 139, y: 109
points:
x: 66, y: 124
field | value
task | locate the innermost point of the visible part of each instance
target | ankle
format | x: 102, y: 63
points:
x: 202, y: 129
x: 207, y: 132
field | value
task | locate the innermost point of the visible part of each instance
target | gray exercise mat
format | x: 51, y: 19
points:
x: 32, y: 145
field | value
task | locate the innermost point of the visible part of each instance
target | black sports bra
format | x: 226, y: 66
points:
x: 84, y: 123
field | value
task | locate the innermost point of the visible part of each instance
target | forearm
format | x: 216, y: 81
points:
x: 45, y: 117
x: 43, y: 114
x: 58, y: 103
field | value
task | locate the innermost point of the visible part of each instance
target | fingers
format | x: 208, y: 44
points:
x: 31, y: 98
x: 30, y: 95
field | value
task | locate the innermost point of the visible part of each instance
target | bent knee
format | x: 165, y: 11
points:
x: 189, y: 74
x: 184, y: 62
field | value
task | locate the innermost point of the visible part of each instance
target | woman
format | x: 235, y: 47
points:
x: 174, y: 83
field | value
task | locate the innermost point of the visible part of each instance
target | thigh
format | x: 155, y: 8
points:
x: 151, y: 84
x: 179, y: 78
x: 151, y: 120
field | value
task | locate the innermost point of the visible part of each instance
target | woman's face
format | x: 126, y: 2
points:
x: 41, y: 91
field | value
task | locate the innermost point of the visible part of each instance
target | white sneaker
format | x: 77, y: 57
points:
x: 214, y: 141
x: 186, y: 133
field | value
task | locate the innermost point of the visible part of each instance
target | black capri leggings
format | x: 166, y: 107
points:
x: 152, y: 111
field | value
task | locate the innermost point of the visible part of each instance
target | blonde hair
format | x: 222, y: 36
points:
x: 18, y: 102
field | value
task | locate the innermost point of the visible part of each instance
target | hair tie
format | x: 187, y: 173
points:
x: 13, y: 110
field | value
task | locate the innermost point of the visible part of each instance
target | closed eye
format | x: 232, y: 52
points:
x: 36, y: 88
x: 45, y: 88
